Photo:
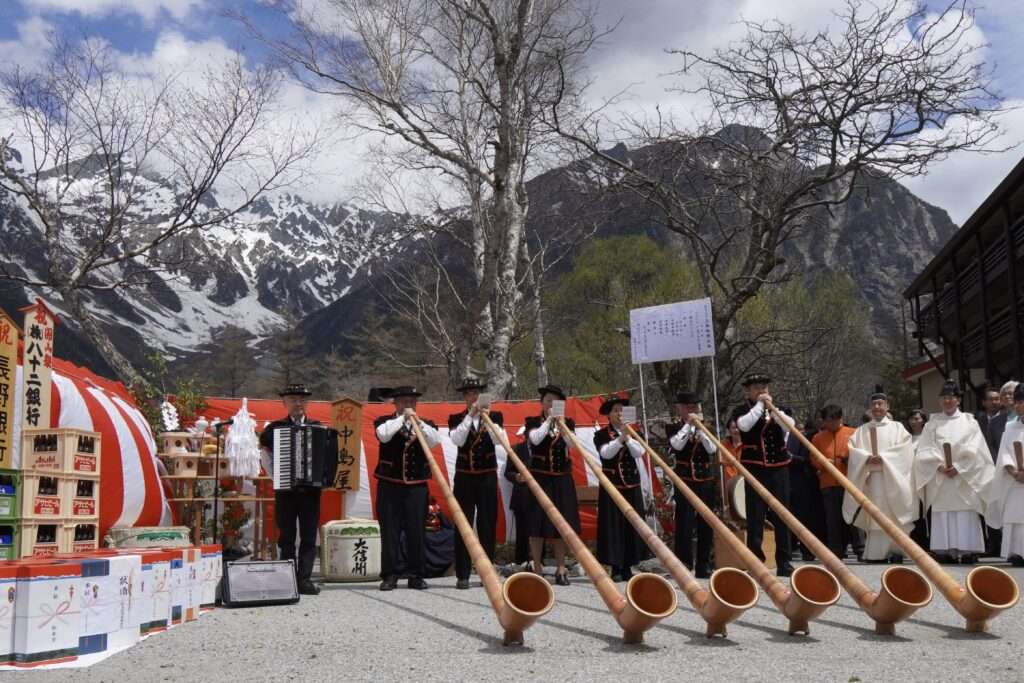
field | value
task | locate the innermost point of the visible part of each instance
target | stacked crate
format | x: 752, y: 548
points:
x: 10, y: 514
x: 60, y: 491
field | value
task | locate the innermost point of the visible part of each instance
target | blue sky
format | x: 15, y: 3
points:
x: 633, y: 55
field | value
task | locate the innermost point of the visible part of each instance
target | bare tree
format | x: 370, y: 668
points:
x: 796, y: 124
x: 93, y: 142
x: 462, y: 90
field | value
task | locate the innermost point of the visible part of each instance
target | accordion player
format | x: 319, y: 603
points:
x: 305, y: 455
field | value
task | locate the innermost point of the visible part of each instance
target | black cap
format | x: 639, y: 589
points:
x: 879, y: 394
x: 756, y: 378
x: 471, y: 383
x: 552, y: 389
x: 379, y: 394
x: 950, y: 388
x: 611, y: 402
x: 687, y: 397
x: 295, y: 390
x: 404, y: 390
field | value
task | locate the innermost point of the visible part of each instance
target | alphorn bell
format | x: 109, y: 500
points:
x: 904, y: 590
x: 523, y: 598
x: 732, y: 591
x: 813, y: 589
x: 649, y: 598
x: 987, y: 591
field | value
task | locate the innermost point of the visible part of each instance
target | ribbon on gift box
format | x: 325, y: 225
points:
x: 58, y: 614
x: 91, y: 605
x: 5, y: 611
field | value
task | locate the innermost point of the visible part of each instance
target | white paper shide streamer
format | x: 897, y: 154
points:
x: 241, y: 447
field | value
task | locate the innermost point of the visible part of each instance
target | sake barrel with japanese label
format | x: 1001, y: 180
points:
x: 350, y: 550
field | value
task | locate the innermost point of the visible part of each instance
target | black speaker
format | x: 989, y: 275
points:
x: 248, y: 584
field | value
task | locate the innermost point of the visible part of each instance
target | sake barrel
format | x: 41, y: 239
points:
x: 350, y: 550
x: 148, y: 537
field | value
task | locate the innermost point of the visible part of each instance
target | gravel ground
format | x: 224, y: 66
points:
x: 355, y: 632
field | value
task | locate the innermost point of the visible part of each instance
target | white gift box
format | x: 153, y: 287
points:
x: 192, y: 563
x: 8, y: 593
x: 47, y: 618
x: 127, y: 573
x: 212, y: 569
x: 99, y: 603
x: 177, y: 592
x: 157, y: 591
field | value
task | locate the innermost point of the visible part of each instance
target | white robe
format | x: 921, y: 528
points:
x: 957, y: 501
x: 889, y: 485
x: 1006, y: 495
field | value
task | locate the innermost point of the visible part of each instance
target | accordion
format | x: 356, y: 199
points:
x: 305, y: 455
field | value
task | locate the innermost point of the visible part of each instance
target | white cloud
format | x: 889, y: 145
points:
x: 148, y: 10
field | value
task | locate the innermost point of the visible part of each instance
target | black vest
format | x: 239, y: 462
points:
x: 693, y: 463
x: 550, y: 456
x: 401, y: 460
x: 765, y: 444
x: 622, y: 469
x: 476, y: 455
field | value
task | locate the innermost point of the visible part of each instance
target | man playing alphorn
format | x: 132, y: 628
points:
x: 881, y: 464
x: 694, y: 453
x: 764, y: 453
x: 953, y: 471
x: 476, y: 475
x: 402, y: 474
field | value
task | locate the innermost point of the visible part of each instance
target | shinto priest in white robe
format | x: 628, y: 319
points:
x: 955, y: 501
x: 889, y: 484
x: 1006, y: 495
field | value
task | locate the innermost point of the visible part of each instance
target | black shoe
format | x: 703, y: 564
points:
x: 462, y: 584
x: 389, y: 584
x: 703, y: 572
x: 968, y: 559
x: 1016, y: 560
x: 562, y: 579
x: 418, y: 584
x: 784, y: 570
x: 307, y: 587
x: 895, y: 559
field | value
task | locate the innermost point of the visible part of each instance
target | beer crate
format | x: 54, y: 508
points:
x: 10, y: 495
x: 81, y: 496
x: 9, y: 537
x: 80, y: 535
x: 63, y: 451
x: 42, y: 497
x: 43, y: 538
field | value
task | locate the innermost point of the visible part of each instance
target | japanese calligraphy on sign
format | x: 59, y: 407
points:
x: 346, y: 417
x: 8, y: 388
x: 37, y: 365
x: 359, y: 557
x: 672, y: 331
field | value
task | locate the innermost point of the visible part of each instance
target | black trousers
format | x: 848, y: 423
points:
x: 835, y: 525
x: 477, y: 495
x: 687, y: 520
x: 776, y: 480
x: 303, y: 506
x: 402, y: 508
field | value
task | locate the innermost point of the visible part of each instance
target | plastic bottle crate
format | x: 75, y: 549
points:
x: 42, y: 497
x: 80, y: 535
x: 9, y: 537
x: 10, y: 495
x: 80, y: 496
x: 64, y: 451
x: 44, y: 538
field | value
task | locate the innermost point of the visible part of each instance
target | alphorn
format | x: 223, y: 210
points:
x: 649, y: 598
x: 812, y: 589
x: 523, y: 598
x: 987, y: 591
x: 904, y: 590
x: 731, y: 592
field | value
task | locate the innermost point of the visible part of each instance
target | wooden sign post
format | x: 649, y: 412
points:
x: 37, y: 365
x: 347, y: 418
x: 8, y: 388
